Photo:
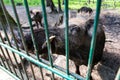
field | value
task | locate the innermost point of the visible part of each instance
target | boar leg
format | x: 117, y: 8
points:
x: 77, y: 69
x: 37, y: 24
x: 40, y: 23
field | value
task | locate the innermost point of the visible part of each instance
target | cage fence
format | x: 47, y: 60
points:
x: 14, y: 57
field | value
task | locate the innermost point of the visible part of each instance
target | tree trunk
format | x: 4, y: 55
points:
x: 59, y: 6
x: 62, y: 2
x: 51, y: 5
x: 88, y: 1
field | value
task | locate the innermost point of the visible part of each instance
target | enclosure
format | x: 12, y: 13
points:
x: 28, y: 63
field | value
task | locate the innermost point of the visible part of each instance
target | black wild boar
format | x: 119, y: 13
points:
x: 85, y: 12
x: 37, y: 17
x: 85, y: 9
x: 80, y: 34
x: 53, y: 19
x: 84, y: 48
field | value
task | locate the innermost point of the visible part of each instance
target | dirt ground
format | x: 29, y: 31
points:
x: 107, y: 68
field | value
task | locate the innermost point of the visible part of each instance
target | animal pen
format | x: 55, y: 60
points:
x: 16, y: 72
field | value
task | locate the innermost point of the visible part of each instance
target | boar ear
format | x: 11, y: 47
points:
x: 45, y: 43
x: 31, y: 12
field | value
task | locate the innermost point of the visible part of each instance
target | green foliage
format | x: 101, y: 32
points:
x: 30, y: 2
x: 73, y: 4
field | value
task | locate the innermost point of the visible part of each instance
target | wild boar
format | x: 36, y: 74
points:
x: 85, y: 9
x: 80, y: 35
x: 37, y: 17
x: 85, y: 12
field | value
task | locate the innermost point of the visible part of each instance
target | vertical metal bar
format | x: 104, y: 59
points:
x: 93, y: 41
x: 5, y: 59
x: 19, y: 26
x: 46, y: 31
x: 2, y: 61
x: 32, y: 32
x: 2, y: 58
x: 7, y: 50
x: 21, y: 34
x: 31, y: 28
x: 8, y: 56
x: 47, y: 34
x: 8, y: 63
x: 40, y: 64
x: 3, y: 8
x: 66, y: 35
x: 9, y: 73
x: 118, y: 75
x: 11, y: 29
x: 3, y: 55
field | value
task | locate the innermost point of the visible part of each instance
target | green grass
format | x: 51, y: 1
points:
x: 30, y: 2
x: 73, y: 4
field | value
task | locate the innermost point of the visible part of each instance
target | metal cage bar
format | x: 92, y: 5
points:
x: 21, y: 34
x: 13, y: 35
x: 55, y: 70
x: 93, y: 41
x: 8, y: 54
x: 2, y: 63
x: 8, y: 38
x: 118, y: 75
x: 31, y: 28
x: 4, y: 54
x: 5, y: 60
x: 47, y: 35
x: 40, y: 64
x: 32, y: 32
x: 66, y: 35
x: 16, y: 77
x: 8, y: 57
